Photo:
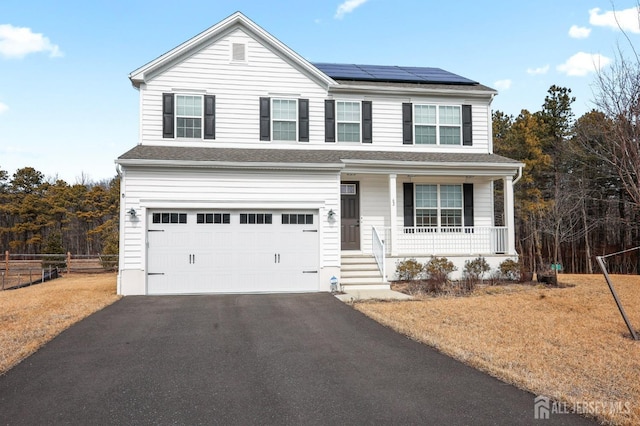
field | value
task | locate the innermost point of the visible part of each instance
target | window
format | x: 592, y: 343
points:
x: 439, y: 205
x: 284, y: 119
x: 189, y: 116
x: 259, y: 218
x: 438, y: 124
x: 427, y: 205
x: 348, y: 189
x: 297, y: 219
x: 169, y: 218
x: 224, y: 218
x: 348, y: 121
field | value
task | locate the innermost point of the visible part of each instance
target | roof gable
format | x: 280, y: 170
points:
x: 216, y: 32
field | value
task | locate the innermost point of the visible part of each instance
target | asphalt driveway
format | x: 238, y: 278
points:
x: 250, y: 359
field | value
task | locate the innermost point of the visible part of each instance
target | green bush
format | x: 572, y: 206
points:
x: 409, y: 269
x: 510, y: 270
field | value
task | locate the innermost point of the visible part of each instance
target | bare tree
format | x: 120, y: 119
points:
x: 617, y: 95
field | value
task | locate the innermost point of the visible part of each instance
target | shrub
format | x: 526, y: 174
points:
x: 510, y: 270
x: 475, y: 269
x: 437, y: 270
x: 409, y: 269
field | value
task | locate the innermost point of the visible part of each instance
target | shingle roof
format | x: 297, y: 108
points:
x: 145, y: 153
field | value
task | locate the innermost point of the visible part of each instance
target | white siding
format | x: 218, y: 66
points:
x: 237, y: 87
x: 387, y: 125
x: 182, y: 189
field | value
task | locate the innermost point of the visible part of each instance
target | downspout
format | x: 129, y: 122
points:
x: 518, y: 177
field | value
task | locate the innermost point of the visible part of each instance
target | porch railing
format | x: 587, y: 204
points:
x: 378, y: 250
x: 435, y: 241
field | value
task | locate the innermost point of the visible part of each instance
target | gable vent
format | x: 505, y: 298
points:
x: 238, y: 52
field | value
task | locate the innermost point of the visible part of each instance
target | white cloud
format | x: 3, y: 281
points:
x: 538, y: 71
x: 583, y: 63
x: 626, y: 19
x: 17, y: 42
x: 579, y: 32
x: 3, y: 107
x: 347, y: 7
x: 503, y: 84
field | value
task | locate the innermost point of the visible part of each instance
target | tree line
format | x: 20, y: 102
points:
x: 39, y: 215
x: 579, y: 194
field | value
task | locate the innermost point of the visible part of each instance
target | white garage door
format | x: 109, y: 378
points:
x: 203, y: 251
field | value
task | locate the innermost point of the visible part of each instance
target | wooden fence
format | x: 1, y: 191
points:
x: 19, y: 270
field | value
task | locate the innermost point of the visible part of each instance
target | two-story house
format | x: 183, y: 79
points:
x: 258, y: 171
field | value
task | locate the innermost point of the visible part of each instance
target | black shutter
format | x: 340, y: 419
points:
x: 209, y: 117
x: 467, y: 190
x: 167, y: 115
x: 467, y: 138
x: 407, y: 123
x: 265, y: 119
x: 407, y: 189
x: 303, y: 120
x: 367, y: 122
x: 329, y: 120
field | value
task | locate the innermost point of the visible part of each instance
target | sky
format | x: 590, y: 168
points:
x: 68, y: 109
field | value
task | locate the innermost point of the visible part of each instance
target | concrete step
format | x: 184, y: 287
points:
x: 370, y: 286
x: 361, y: 280
x: 360, y: 272
x: 357, y: 273
x: 358, y: 260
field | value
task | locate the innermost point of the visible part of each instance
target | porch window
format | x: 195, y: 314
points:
x: 439, y: 205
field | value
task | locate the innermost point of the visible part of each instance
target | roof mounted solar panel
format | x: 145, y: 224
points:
x: 390, y: 73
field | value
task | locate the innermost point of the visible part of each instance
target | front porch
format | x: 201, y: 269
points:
x: 388, y: 216
x: 445, y: 241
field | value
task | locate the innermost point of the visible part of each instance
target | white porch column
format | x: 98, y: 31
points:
x: 509, y: 220
x: 393, y: 214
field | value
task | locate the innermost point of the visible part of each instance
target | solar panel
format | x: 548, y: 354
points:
x: 391, y: 73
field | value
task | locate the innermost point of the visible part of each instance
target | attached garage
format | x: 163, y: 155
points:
x: 232, y: 251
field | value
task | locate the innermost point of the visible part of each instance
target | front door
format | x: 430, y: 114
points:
x: 349, y: 216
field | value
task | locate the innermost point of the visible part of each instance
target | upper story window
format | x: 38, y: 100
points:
x: 425, y: 124
x: 439, y: 205
x: 188, y: 116
x: 348, y: 121
x: 438, y: 124
x: 284, y: 119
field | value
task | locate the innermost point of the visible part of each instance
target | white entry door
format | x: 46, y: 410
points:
x: 191, y: 252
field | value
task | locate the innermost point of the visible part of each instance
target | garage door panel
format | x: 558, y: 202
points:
x: 264, y: 253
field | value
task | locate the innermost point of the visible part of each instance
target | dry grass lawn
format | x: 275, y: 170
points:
x: 569, y: 344
x: 32, y: 316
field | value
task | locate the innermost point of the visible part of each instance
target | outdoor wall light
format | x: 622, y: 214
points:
x: 132, y: 213
x: 331, y: 214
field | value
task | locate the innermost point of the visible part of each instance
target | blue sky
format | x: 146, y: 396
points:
x: 68, y: 109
